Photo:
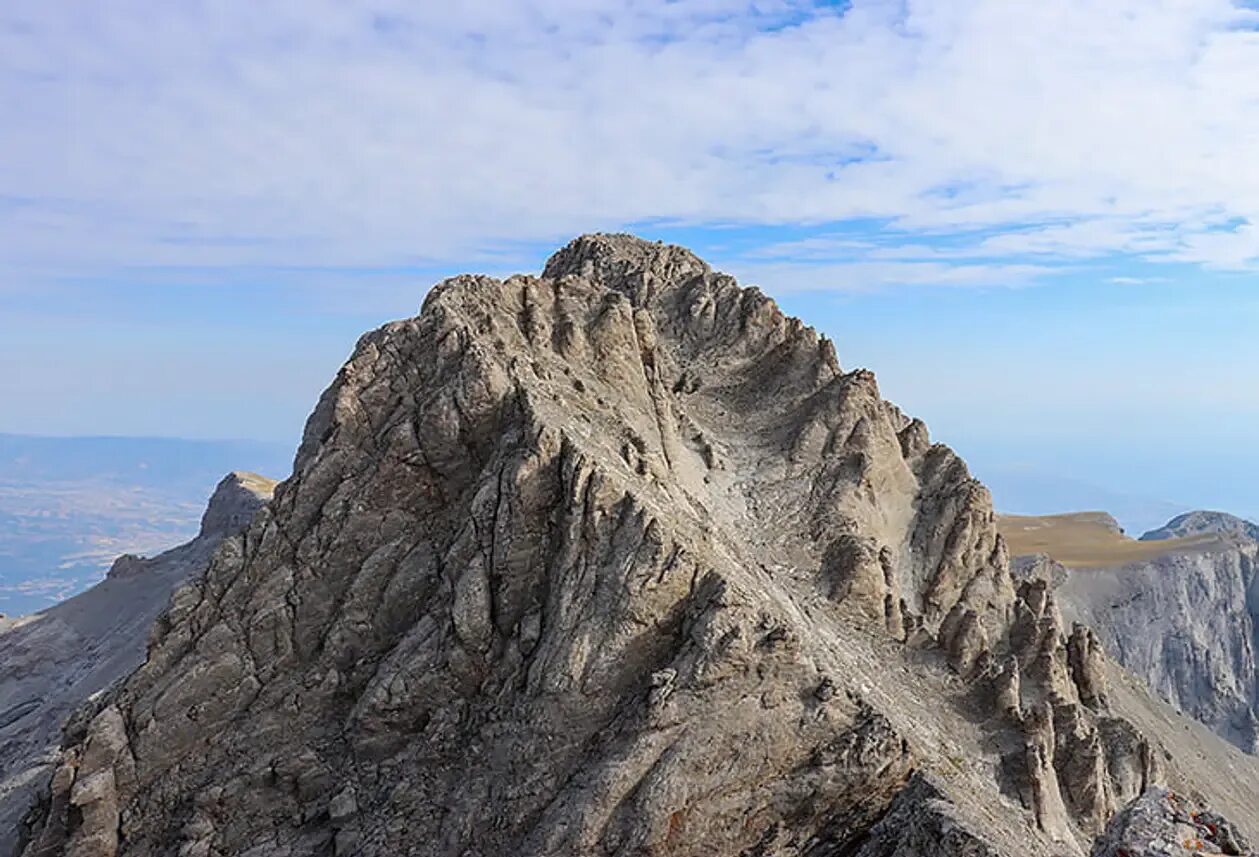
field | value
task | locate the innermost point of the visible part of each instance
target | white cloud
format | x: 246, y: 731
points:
x: 389, y: 133
x: 787, y: 276
x: 1135, y: 281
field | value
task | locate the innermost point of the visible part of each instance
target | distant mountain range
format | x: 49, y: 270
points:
x: 1197, y: 523
x: 69, y: 506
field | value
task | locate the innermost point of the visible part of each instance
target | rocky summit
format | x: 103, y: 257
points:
x: 618, y: 560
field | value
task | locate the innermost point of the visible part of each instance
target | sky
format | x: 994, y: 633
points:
x: 1038, y: 222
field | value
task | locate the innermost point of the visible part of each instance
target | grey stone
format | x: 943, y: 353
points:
x: 593, y: 618
x: 1188, y: 623
x: 1164, y: 822
x: 54, y: 661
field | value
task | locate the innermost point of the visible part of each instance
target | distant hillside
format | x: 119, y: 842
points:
x: 68, y: 506
x: 1089, y: 540
x: 1197, y: 523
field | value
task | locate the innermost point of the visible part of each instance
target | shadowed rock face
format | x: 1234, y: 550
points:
x: 615, y: 561
x: 53, y: 661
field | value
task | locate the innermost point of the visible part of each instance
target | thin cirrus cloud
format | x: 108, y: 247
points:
x: 789, y: 278
x: 994, y: 139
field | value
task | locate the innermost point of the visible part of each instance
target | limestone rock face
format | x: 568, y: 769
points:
x: 921, y: 823
x: 53, y: 661
x: 1079, y: 762
x: 1179, y: 608
x: 614, y: 561
x: 1188, y: 623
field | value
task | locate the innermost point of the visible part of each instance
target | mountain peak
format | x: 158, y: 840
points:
x: 618, y: 558
x: 614, y: 258
x: 1204, y: 522
x: 236, y: 498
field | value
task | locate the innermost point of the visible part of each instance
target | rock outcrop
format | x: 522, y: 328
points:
x: 52, y: 662
x: 1185, y: 619
x: 1179, y: 608
x: 1201, y: 523
x: 612, y: 561
x: 1162, y: 823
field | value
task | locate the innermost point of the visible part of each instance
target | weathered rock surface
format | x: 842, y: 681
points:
x: 1185, y: 619
x: 1162, y: 823
x: 1186, y: 622
x: 614, y: 561
x: 1201, y: 523
x: 922, y: 823
x: 53, y: 661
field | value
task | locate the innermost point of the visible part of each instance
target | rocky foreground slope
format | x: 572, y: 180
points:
x: 1179, y: 608
x: 1163, y: 822
x: 50, y: 662
x: 617, y: 561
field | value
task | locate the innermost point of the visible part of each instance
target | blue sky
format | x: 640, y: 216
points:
x: 1035, y: 220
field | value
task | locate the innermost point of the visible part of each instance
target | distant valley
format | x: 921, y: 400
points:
x: 70, y: 506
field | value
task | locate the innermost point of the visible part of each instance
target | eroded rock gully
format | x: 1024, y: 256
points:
x: 612, y: 561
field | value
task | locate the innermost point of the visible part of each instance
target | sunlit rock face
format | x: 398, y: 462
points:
x: 1178, y: 608
x: 1188, y: 623
x: 1162, y: 822
x: 612, y: 561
